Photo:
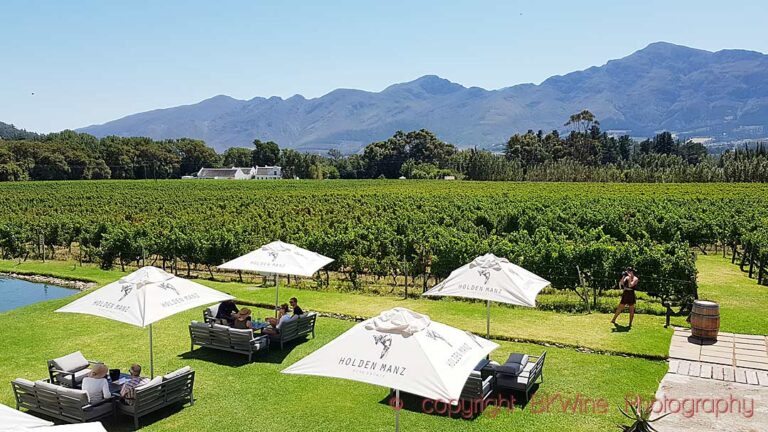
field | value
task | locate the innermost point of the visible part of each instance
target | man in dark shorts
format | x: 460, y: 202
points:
x: 227, y: 310
x: 628, y: 283
x: 297, y: 311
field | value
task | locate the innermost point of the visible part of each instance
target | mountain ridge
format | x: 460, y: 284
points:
x: 660, y: 87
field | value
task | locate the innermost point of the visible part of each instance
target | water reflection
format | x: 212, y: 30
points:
x: 15, y: 293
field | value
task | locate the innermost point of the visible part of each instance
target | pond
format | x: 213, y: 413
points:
x: 15, y: 293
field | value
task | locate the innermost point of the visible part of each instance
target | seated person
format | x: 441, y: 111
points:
x: 242, y: 319
x: 297, y: 311
x: 227, y: 310
x: 96, y: 385
x: 276, y: 323
x: 128, y: 391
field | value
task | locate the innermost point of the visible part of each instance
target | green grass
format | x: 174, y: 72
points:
x: 743, y: 303
x: 234, y: 395
x: 647, y: 337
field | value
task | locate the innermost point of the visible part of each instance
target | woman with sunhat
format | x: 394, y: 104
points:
x: 242, y: 319
x: 96, y: 385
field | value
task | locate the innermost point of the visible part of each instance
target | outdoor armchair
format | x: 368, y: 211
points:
x: 69, y: 370
x: 525, y: 379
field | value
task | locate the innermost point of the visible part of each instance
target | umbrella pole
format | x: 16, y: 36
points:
x: 397, y: 410
x: 487, y: 318
x: 277, y: 296
x: 151, y: 355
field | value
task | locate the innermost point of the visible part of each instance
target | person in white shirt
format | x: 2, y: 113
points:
x: 96, y: 385
x: 276, y: 323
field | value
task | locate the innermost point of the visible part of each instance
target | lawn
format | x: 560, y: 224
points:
x: 742, y: 301
x: 648, y: 337
x: 234, y: 395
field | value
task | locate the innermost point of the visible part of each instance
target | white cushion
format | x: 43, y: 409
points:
x: 43, y: 385
x: 155, y: 381
x: 176, y: 373
x: 71, y: 363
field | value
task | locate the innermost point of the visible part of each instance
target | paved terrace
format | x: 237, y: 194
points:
x: 733, y: 350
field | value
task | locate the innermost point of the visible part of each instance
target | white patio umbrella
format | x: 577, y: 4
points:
x: 279, y: 258
x: 404, y: 350
x: 491, y: 278
x: 14, y: 420
x: 143, y: 297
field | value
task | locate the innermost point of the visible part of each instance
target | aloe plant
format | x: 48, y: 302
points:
x: 640, y: 416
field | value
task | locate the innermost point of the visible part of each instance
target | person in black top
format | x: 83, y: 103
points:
x: 227, y: 310
x: 628, y: 283
x: 297, y: 311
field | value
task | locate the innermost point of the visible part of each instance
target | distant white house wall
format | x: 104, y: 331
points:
x: 241, y: 173
x: 268, y: 173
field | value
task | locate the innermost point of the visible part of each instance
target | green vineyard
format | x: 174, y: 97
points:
x: 574, y: 234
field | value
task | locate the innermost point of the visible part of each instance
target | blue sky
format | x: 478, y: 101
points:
x: 93, y: 61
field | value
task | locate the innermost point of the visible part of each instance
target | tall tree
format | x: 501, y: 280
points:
x: 194, y: 155
x: 265, y: 153
x: 237, y: 157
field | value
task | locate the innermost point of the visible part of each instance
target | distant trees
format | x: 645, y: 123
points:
x: 265, y: 153
x: 586, y: 153
x: 195, y: 155
x: 237, y: 157
x: 417, y: 148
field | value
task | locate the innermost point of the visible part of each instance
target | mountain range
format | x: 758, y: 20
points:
x: 722, y: 95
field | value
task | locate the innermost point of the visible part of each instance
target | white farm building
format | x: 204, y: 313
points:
x: 240, y: 173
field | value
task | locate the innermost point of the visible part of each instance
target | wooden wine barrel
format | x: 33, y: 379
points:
x: 705, y: 319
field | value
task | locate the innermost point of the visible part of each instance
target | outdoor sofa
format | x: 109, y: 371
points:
x: 525, y: 379
x: 69, y: 370
x: 172, y: 388
x: 222, y: 337
x: 296, y: 328
x: 59, y: 402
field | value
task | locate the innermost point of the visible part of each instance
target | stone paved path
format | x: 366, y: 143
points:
x: 731, y: 371
x: 735, y: 350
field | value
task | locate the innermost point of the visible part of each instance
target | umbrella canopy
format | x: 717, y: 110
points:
x: 143, y: 297
x: 14, y: 420
x: 279, y: 258
x: 404, y: 350
x: 491, y: 278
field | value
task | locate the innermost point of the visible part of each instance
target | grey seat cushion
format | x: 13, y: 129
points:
x: 516, y: 382
x: 25, y: 384
x: 176, y: 373
x: 79, y: 375
x: 514, y: 365
x: 80, y: 395
x: 71, y: 362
